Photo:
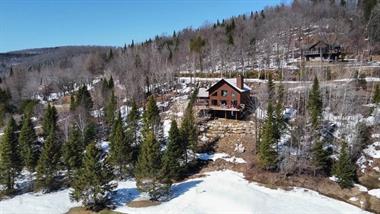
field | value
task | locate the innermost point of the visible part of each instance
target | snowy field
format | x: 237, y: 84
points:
x: 218, y: 192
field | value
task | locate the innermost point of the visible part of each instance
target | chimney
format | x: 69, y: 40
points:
x: 240, y: 82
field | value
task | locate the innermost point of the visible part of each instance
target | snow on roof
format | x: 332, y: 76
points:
x: 202, y: 92
x: 232, y: 82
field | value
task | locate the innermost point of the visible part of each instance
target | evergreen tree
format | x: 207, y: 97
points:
x: 10, y: 161
x: 321, y: 157
x: 149, y: 160
x: 82, y: 98
x: 91, y: 182
x: 89, y: 133
x: 267, y: 153
x: 344, y: 168
x: 110, y: 83
x: 133, y: 119
x: 50, y: 120
x: 314, y: 104
x: 111, y: 109
x: 47, y: 165
x: 29, y: 148
x: 120, y: 149
x: 72, y: 151
x: 148, y: 169
x: 188, y: 131
x: 151, y: 115
x: 172, y: 155
x: 376, y: 95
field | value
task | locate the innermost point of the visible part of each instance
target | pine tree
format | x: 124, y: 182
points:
x: 172, y: 155
x: 72, y: 151
x: 267, y: 153
x: 110, y: 83
x: 188, y: 131
x: 344, y: 168
x: 314, y: 104
x: 82, y: 98
x: 321, y: 157
x: 151, y: 115
x: 133, y: 119
x: 148, y: 169
x: 111, y: 109
x: 91, y: 182
x: 47, y: 165
x: 50, y: 120
x: 10, y: 161
x: 149, y: 160
x: 89, y: 133
x: 376, y: 95
x: 120, y: 149
x: 29, y: 148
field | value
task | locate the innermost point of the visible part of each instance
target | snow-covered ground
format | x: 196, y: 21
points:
x: 218, y: 192
x: 33, y: 203
x: 223, y: 156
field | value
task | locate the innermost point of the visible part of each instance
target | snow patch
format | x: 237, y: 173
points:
x: 223, y: 156
x: 375, y: 192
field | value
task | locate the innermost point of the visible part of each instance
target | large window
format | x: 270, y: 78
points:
x: 214, y: 102
x: 214, y: 94
x: 224, y: 93
x: 234, y: 103
x: 223, y: 102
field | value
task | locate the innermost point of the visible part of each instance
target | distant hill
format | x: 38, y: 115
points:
x: 30, y: 58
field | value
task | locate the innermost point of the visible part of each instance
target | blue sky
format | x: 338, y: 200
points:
x: 46, y: 23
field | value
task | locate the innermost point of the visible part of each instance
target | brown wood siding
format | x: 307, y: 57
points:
x: 225, y: 86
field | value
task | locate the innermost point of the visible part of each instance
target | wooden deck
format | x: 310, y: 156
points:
x: 218, y: 108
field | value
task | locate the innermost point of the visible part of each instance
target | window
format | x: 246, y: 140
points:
x: 234, y: 103
x: 233, y: 94
x: 223, y: 102
x: 214, y: 94
x: 214, y: 102
x: 224, y: 93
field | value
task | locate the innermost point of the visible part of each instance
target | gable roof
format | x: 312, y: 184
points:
x: 232, y: 83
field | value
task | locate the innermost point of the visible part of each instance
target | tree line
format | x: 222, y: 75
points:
x: 82, y: 163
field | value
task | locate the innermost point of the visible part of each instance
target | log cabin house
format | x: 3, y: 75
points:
x: 227, y: 98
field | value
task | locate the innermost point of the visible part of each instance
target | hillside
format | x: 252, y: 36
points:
x: 271, y: 111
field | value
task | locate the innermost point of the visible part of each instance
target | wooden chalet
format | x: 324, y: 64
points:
x: 323, y: 50
x: 227, y: 98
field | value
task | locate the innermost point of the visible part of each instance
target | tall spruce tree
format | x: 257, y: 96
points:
x: 172, y: 156
x: 267, y: 153
x: 82, y: 98
x: 50, y: 120
x: 72, y: 150
x: 133, y: 120
x: 344, y: 168
x: 314, y: 104
x: 110, y: 109
x: 47, y: 166
x: 321, y: 158
x: 91, y: 182
x: 10, y: 161
x: 29, y: 147
x: 120, y: 148
x: 188, y: 132
x: 151, y: 115
x: 149, y: 160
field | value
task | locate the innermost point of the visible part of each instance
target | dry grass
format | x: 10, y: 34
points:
x: 143, y: 203
x: 82, y: 210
